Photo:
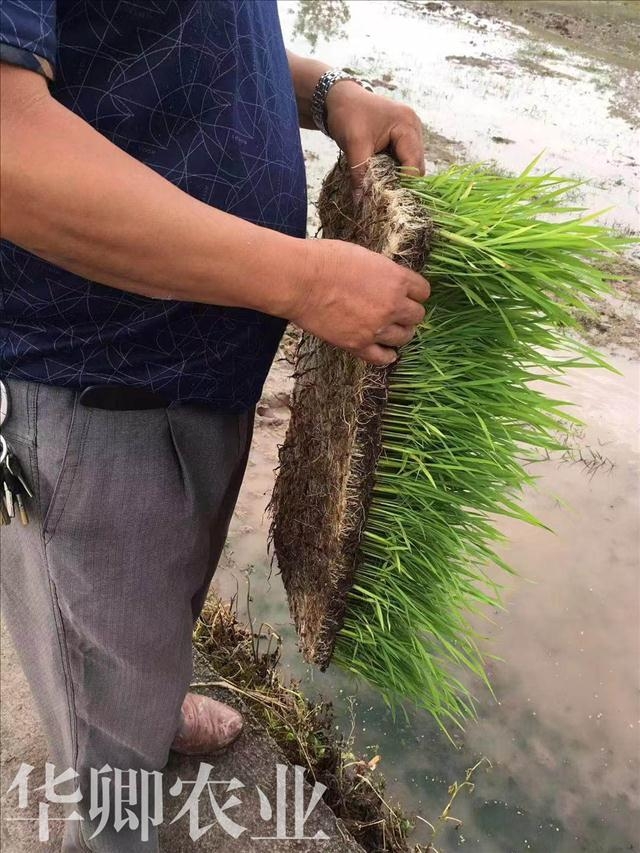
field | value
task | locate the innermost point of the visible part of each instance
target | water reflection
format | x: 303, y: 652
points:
x: 326, y: 18
x: 562, y: 737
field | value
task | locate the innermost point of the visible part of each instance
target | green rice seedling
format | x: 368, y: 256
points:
x: 510, y: 261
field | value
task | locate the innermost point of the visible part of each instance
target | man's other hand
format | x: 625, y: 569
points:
x: 364, y: 124
x: 358, y: 300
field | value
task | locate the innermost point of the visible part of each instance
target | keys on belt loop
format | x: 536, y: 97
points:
x: 14, y: 489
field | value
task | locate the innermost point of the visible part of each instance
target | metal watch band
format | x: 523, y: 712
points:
x: 319, y: 97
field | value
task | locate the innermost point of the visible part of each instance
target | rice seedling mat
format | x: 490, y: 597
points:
x: 328, y: 459
x: 390, y: 480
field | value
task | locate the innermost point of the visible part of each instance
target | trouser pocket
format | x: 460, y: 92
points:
x: 62, y: 428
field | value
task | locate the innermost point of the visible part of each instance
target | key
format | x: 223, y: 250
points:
x: 24, y: 515
x: 10, y: 486
x: 5, y: 518
x: 15, y: 488
x: 13, y: 464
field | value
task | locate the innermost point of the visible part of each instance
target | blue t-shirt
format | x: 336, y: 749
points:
x: 201, y: 92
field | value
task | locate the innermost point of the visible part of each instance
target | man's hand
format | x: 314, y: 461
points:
x: 359, y: 300
x: 351, y: 297
x: 363, y: 124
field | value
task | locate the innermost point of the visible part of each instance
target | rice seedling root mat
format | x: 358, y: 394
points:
x: 328, y: 459
x: 390, y: 479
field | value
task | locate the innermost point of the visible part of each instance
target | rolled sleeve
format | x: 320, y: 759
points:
x: 28, y: 35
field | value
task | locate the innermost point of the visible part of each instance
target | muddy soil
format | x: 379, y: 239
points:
x: 607, y: 28
x: 605, y: 33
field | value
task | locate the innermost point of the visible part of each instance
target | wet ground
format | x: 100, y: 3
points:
x: 563, y: 736
x: 487, y: 90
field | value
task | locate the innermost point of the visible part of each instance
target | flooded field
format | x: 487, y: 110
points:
x: 562, y: 736
x: 492, y: 93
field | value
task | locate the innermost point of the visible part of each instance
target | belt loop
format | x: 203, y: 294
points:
x: 32, y: 410
x: 21, y: 420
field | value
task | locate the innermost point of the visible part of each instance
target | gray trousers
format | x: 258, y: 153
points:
x: 100, y: 591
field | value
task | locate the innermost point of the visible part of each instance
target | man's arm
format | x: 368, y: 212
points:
x: 72, y: 197
x: 305, y: 74
x: 360, y: 122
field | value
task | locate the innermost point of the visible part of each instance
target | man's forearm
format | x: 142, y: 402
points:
x: 103, y: 215
x: 74, y: 198
x: 305, y: 73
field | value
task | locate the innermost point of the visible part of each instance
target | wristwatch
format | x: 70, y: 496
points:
x: 319, y: 97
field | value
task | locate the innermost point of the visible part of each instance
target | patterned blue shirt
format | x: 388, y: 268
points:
x: 201, y: 92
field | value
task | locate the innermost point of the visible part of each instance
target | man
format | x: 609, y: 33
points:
x: 154, y: 210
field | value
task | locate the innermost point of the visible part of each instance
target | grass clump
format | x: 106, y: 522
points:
x: 246, y: 663
x: 511, y: 262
